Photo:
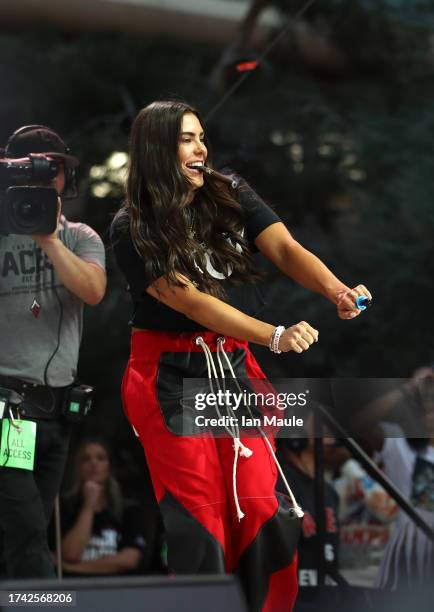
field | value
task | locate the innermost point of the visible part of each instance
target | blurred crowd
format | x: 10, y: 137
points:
x: 108, y: 528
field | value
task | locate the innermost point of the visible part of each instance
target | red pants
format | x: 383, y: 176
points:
x: 192, y: 476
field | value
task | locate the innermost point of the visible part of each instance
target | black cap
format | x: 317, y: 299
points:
x: 39, y: 139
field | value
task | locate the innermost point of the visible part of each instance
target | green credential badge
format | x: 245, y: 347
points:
x: 17, y: 446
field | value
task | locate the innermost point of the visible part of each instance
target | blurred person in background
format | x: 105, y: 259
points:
x: 103, y: 534
x: 407, y: 456
x: 366, y: 515
x: 46, y: 280
x: 298, y: 464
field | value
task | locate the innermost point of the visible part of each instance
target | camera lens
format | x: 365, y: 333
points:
x: 27, y: 213
x: 30, y: 210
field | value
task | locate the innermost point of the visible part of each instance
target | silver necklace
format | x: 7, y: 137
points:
x: 191, y: 223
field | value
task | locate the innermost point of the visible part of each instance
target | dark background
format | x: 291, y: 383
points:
x: 334, y: 130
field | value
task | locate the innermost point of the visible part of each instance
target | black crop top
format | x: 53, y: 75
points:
x: 149, y: 313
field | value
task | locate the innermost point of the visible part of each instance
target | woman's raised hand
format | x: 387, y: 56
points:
x: 91, y: 494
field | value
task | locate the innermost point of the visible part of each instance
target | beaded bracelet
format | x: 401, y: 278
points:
x: 274, y: 340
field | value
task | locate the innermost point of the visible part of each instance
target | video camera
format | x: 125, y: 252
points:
x: 24, y: 208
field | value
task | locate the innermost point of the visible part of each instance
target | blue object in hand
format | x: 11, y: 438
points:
x: 363, y: 302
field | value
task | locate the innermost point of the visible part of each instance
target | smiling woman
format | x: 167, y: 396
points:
x: 192, y: 150
x: 161, y: 207
x: 184, y: 240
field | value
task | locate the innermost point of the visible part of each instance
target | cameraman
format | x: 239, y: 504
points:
x: 44, y: 281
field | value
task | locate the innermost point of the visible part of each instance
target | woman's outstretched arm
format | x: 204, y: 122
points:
x: 215, y: 315
x: 277, y: 244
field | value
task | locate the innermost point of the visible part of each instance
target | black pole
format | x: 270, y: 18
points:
x: 375, y: 472
x: 319, y: 497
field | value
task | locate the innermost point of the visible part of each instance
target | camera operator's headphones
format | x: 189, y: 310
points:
x: 42, y: 139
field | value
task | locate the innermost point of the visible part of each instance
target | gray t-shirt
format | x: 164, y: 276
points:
x: 409, y: 555
x: 34, y: 304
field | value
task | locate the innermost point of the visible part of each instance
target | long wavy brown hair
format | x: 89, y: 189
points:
x: 161, y: 217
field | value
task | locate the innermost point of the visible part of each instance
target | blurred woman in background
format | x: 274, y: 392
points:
x: 101, y: 533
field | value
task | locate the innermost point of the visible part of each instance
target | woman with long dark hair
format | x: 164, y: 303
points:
x: 184, y: 240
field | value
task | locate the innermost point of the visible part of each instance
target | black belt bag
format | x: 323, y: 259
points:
x: 38, y: 401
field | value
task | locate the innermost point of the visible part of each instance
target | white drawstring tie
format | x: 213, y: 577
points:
x: 234, y: 433
x: 239, y: 447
